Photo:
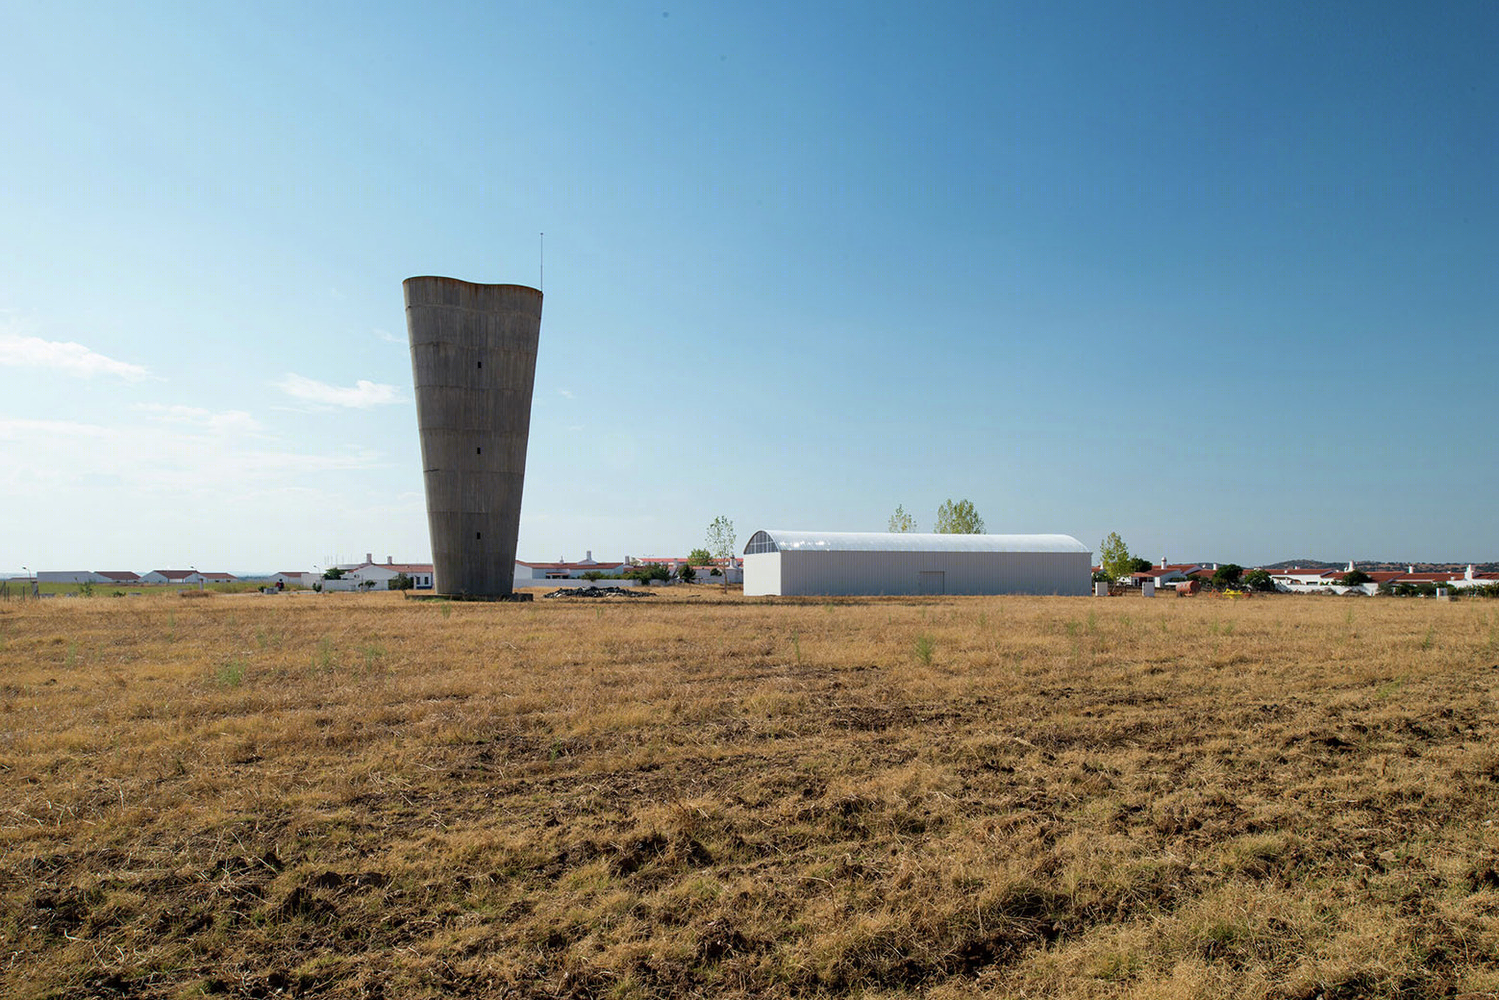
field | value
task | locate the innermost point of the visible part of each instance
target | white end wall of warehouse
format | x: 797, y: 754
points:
x: 834, y: 573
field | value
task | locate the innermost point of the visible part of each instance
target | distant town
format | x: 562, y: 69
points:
x: 372, y: 574
x: 1289, y: 576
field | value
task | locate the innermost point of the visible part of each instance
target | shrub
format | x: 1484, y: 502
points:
x: 1227, y: 576
x: 1259, y: 580
x: 648, y: 572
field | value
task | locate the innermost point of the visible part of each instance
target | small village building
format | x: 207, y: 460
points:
x: 295, y: 578
x: 730, y: 570
x: 69, y: 576
x: 533, y: 573
x: 187, y: 576
x: 782, y: 562
x: 178, y: 576
x: 371, y: 575
x: 120, y: 577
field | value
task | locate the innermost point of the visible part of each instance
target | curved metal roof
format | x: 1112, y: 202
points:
x: 895, y: 541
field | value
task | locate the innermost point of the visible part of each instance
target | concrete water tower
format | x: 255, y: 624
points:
x: 473, y: 359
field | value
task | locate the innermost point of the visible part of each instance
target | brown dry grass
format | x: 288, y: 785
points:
x: 360, y: 796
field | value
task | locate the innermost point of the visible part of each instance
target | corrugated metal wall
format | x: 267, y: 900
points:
x: 844, y: 573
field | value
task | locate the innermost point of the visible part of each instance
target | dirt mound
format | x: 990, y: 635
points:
x: 599, y: 592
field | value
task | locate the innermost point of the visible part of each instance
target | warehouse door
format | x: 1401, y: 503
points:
x: 932, y: 582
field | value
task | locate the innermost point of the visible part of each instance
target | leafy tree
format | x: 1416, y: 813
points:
x: 700, y: 557
x: 1259, y: 580
x: 1114, y: 558
x: 959, y: 518
x: 901, y: 520
x: 333, y: 574
x: 1227, y: 575
x: 686, y: 573
x: 646, y: 572
x: 721, y: 542
x: 1138, y: 565
x: 400, y: 582
x: 1355, y: 578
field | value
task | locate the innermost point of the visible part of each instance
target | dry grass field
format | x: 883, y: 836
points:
x: 362, y: 796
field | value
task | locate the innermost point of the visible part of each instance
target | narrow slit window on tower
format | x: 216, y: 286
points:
x: 478, y: 535
x: 478, y: 451
x: 481, y: 364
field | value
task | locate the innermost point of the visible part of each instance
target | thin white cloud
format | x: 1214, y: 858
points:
x: 22, y: 428
x: 20, y: 351
x: 389, y: 337
x: 362, y: 395
x: 220, y: 422
x: 180, y: 454
x: 566, y: 392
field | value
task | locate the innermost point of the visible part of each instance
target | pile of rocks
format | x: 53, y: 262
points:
x: 599, y: 592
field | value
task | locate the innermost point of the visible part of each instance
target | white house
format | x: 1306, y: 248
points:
x: 120, y: 577
x: 187, y: 576
x: 1168, y: 573
x: 881, y: 562
x: 371, y: 575
x: 171, y: 576
x: 295, y: 578
x: 533, y: 573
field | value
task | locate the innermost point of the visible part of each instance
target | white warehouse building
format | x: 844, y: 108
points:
x: 880, y: 562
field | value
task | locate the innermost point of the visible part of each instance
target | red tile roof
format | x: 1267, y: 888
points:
x: 395, y: 567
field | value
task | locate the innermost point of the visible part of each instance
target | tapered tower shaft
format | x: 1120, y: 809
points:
x: 473, y: 360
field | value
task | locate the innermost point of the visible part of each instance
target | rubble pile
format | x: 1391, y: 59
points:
x: 599, y: 592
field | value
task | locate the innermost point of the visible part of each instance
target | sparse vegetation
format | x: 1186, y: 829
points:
x: 1114, y: 560
x: 958, y: 517
x: 361, y: 795
x: 902, y: 520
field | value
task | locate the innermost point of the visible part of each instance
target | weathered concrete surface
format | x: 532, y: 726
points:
x: 473, y: 360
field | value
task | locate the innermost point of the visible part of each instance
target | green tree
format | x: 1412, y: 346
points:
x: 721, y: 542
x: 901, y: 520
x: 646, y: 572
x: 959, y: 518
x: 686, y: 573
x: 1259, y: 580
x: 1227, y: 575
x: 333, y: 574
x: 400, y: 582
x: 700, y: 557
x: 1138, y: 565
x: 1354, y: 578
x: 1114, y: 558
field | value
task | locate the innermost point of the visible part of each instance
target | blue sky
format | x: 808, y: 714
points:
x: 1220, y: 278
